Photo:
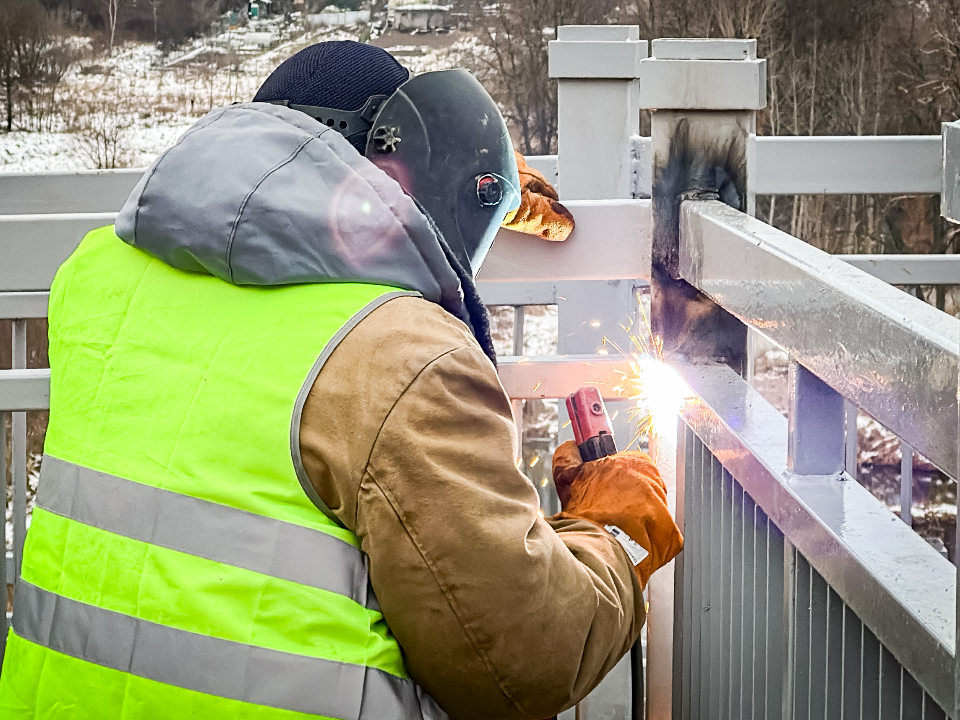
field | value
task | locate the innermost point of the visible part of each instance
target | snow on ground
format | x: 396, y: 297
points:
x: 149, y: 99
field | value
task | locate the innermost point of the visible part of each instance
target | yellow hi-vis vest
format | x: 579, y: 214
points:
x: 175, y: 566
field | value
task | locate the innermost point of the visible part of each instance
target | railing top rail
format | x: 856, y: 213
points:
x: 889, y: 353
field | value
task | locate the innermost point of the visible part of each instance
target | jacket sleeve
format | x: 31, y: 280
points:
x: 500, y: 614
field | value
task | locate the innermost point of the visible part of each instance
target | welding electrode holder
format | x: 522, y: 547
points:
x: 592, y: 430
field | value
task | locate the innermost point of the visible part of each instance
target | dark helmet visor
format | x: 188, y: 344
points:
x: 441, y: 136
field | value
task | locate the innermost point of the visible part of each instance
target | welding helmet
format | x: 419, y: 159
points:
x: 441, y: 136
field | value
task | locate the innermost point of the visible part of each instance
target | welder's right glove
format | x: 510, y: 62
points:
x: 540, y: 212
x: 624, y: 490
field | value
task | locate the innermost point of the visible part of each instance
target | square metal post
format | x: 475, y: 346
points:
x: 598, y: 108
x: 852, y: 439
x: 704, y: 95
x: 950, y: 192
x: 816, y: 419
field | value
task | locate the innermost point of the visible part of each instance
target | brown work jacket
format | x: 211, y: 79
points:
x: 408, y: 437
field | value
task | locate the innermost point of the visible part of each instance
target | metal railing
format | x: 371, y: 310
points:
x: 798, y: 595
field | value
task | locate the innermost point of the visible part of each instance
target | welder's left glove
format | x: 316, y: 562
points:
x: 623, y: 490
x: 540, y: 212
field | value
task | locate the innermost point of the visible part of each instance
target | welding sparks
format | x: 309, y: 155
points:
x: 658, y: 391
x: 662, y: 393
x: 540, y: 513
x: 543, y: 483
x: 595, y: 323
x: 536, y: 459
x: 536, y: 386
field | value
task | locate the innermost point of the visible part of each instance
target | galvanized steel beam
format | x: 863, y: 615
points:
x: 34, y: 246
x: 891, y: 354
x: 901, y: 588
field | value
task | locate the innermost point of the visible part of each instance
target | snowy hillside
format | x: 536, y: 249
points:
x: 142, y: 100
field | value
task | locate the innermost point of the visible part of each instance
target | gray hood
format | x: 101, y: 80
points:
x: 259, y: 194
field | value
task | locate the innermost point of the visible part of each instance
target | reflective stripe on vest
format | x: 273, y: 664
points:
x: 210, y: 665
x: 204, y: 529
x: 225, y: 668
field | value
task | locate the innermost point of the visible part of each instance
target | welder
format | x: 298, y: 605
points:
x: 279, y: 474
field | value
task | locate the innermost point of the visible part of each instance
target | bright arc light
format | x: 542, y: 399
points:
x: 662, y: 392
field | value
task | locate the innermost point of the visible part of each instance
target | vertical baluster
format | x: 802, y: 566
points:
x: 906, y: 483
x: 776, y: 624
x: 716, y: 583
x: 889, y: 686
x: 834, y: 650
x: 736, y: 600
x: 852, y: 665
x: 851, y: 439
x: 802, y: 679
x: 705, y: 579
x: 870, y: 678
x: 19, y: 452
x: 818, y: 646
x: 725, y: 588
x: 761, y: 567
x: 749, y: 606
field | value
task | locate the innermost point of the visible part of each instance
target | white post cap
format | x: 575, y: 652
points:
x: 597, y: 51
x: 710, y: 74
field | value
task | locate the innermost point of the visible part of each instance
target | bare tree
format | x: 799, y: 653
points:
x: 34, y: 56
x: 110, y: 13
x: 104, y: 127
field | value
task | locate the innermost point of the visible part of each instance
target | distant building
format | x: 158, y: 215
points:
x: 418, y: 16
x: 258, y: 8
x: 334, y: 16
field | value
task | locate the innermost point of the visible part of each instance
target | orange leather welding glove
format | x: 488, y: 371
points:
x: 624, y: 490
x: 540, y: 212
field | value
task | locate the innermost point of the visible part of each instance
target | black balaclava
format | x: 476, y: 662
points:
x: 340, y: 74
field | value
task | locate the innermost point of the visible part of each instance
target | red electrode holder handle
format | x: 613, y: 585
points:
x: 591, y: 427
